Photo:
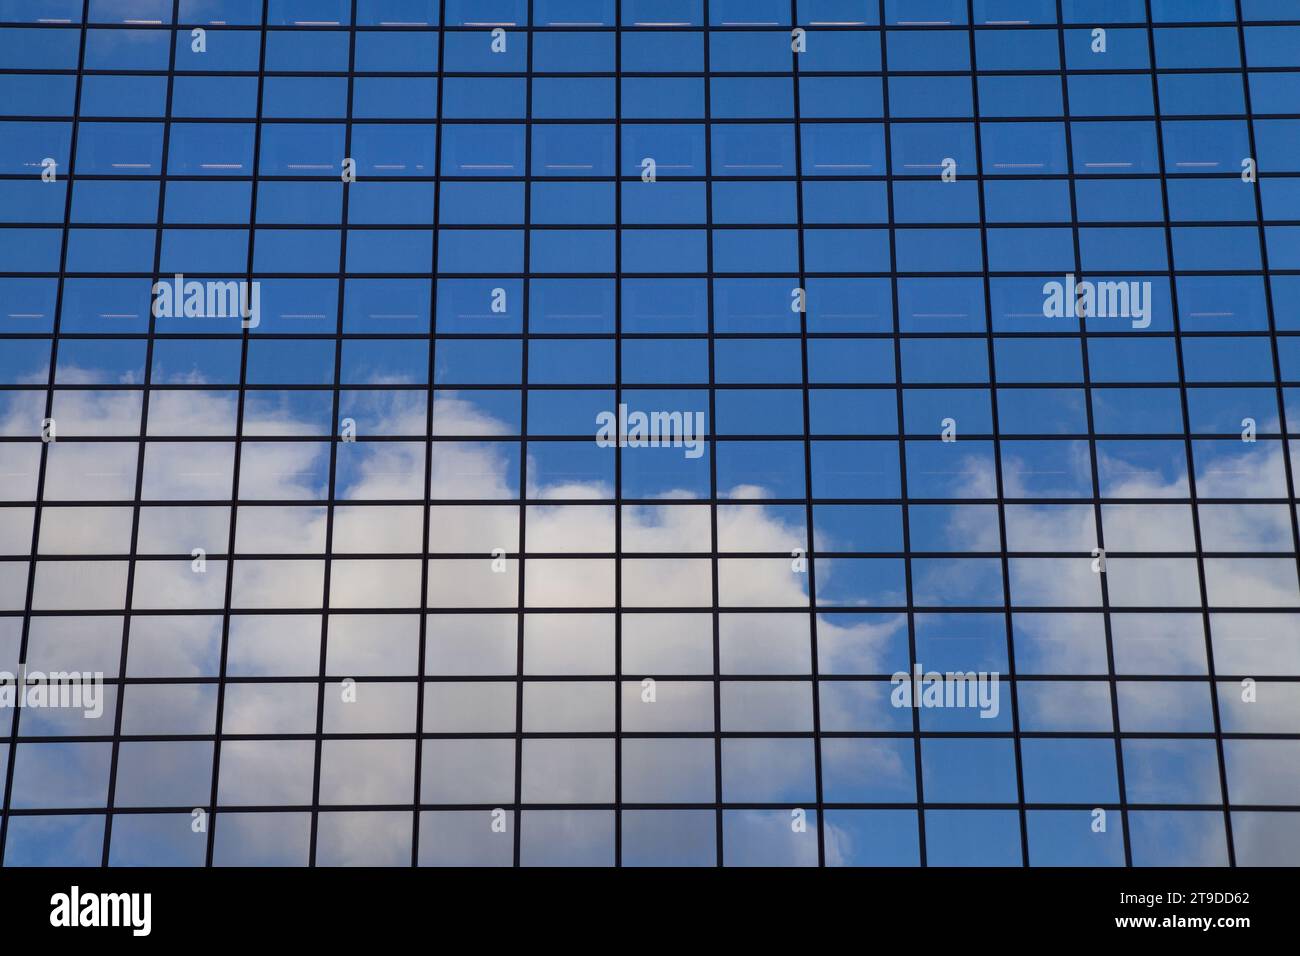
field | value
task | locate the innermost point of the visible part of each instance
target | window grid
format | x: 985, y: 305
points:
x: 429, y: 559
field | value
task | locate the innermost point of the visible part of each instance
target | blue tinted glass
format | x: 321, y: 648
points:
x: 616, y: 432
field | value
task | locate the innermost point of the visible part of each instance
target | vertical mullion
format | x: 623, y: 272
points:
x: 1067, y: 123
x: 523, y: 432
x: 174, y: 34
x: 902, y: 431
x: 1005, y: 563
x: 335, y: 397
x: 45, y: 446
x: 713, y: 456
x: 809, y: 543
x: 1188, y: 453
x: 1284, y: 427
x: 618, y: 452
x: 426, y: 563
x: 1189, y: 456
x: 240, y: 407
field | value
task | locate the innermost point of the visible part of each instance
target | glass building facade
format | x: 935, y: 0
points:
x: 688, y: 432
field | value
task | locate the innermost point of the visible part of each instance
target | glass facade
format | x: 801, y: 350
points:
x: 667, y: 432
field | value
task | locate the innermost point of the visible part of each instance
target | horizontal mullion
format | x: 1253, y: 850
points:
x: 434, y: 557
x: 675, y: 609
x: 715, y: 226
x: 634, y: 677
x: 226, y: 502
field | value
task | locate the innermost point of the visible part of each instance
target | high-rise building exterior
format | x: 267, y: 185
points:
x: 649, y: 432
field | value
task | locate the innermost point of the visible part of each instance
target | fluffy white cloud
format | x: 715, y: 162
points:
x: 378, y: 772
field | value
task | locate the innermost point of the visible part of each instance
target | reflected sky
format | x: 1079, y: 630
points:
x: 365, y: 588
